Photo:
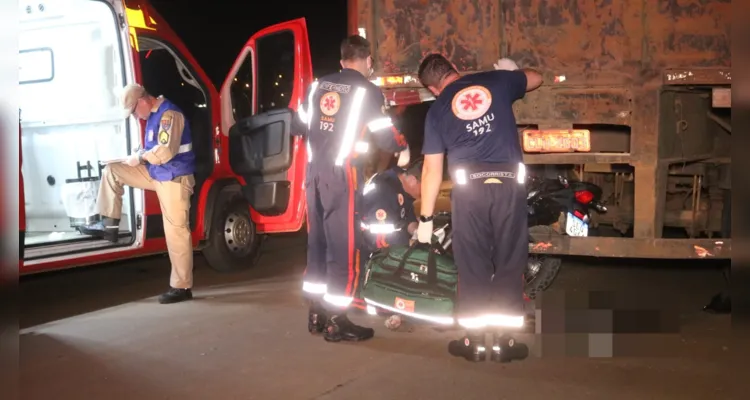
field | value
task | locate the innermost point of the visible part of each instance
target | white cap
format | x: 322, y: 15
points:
x: 130, y: 95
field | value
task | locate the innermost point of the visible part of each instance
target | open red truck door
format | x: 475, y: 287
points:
x: 258, y: 102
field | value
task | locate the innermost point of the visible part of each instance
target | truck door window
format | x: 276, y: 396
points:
x: 275, y: 70
x: 242, y: 90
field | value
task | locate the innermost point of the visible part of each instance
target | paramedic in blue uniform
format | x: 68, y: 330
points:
x: 388, y: 217
x: 342, y: 116
x: 472, y: 120
x: 165, y: 165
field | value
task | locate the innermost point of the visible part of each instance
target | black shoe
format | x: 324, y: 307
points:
x: 316, y: 319
x: 472, y: 347
x: 719, y: 304
x: 107, y: 228
x: 505, y: 349
x: 176, y: 296
x: 338, y: 328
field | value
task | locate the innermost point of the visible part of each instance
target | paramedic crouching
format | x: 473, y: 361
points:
x: 166, y: 166
x: 472, y: 119
x: 388, y: 217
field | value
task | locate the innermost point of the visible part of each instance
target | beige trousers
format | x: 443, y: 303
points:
x: 174, y: 199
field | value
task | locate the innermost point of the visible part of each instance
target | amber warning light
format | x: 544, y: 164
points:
x: 556, y: 141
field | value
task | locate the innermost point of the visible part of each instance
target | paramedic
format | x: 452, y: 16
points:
x: 472, y: 119
x: 388, y: 217
x: 165, y: 165
x: 341, y: 114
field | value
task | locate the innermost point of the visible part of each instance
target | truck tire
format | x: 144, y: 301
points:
x: 233, y: 242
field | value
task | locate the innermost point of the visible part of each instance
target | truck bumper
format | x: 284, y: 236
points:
x: 630, y: 247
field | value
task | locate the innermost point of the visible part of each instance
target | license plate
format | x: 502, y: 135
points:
x: 575, y: 227
x: 556, y: 141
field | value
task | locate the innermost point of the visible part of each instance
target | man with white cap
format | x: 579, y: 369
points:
x: 165, y: 165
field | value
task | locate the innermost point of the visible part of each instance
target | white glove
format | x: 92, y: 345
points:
x: 506, y: 64
x: 403, y: 157
x: 133, y: 160
x: 424, y: 232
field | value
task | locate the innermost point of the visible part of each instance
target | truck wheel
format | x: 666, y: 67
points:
x: 541, y: 271
x: 233, y: 243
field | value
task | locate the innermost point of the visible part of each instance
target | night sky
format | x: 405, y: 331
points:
x: 214, y: 33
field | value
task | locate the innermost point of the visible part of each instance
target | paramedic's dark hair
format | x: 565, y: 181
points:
x: 355, y: 47
x: 433, y: 69
x: 415, y: 169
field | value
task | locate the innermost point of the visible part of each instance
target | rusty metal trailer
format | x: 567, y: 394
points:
x: 649, y: 80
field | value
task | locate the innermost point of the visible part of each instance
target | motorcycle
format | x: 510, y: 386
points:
x: 560, y: 200
x: 548, y: 201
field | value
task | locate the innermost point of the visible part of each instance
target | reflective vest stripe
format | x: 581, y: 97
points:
x: 306, y: 115
x: 350, y: 132
x: 361, y: 147
x: 379, y: 124
x: 185, y: 148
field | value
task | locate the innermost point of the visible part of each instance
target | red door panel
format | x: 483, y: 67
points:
x: 278, y: 42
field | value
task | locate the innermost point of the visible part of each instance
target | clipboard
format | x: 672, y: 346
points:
x: 113, y: 161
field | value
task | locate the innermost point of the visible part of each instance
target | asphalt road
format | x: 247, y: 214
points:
x: 98, y: 333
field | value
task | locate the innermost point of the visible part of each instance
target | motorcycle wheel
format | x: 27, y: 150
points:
x: 541, y: 272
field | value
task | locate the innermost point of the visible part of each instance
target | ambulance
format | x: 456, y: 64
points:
x: 75, y: 56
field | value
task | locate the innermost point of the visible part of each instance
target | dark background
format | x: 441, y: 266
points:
x: 215, y: 31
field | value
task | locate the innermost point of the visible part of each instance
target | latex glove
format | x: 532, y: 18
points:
x: 403, y: 158
x: 133, y: 160
x: 424, y: 232
x: 506, y: 64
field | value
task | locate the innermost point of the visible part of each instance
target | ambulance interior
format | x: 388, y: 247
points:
x: 73, y: 64
x: 164, y: 71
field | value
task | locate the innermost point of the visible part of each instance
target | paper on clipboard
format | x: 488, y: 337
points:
x: 112, y: 161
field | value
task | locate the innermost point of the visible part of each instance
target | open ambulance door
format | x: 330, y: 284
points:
x: 258, y: 102
x: 21, y: 201
x: 79, y: 46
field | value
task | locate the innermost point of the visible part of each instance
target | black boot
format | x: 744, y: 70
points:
x: 505, y: 349
x: 316, y: 318
x: 107, y: 228
x: 472, y: 347
x: 338, y: 328
x: 176, y: 296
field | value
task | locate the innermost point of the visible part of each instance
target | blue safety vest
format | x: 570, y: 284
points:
x: 183, y: 163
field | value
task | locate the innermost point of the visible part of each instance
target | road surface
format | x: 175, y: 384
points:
x: 98, y: 333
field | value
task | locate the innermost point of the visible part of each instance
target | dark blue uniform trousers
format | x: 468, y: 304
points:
x: 334, y: 233
x: 490, y: 240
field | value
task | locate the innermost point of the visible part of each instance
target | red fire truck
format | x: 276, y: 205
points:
x: 76, y: 56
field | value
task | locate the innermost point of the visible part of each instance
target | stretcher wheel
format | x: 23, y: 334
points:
x: 233, y: 242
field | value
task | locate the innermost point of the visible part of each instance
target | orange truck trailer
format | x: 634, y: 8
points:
x: 636, y: 99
